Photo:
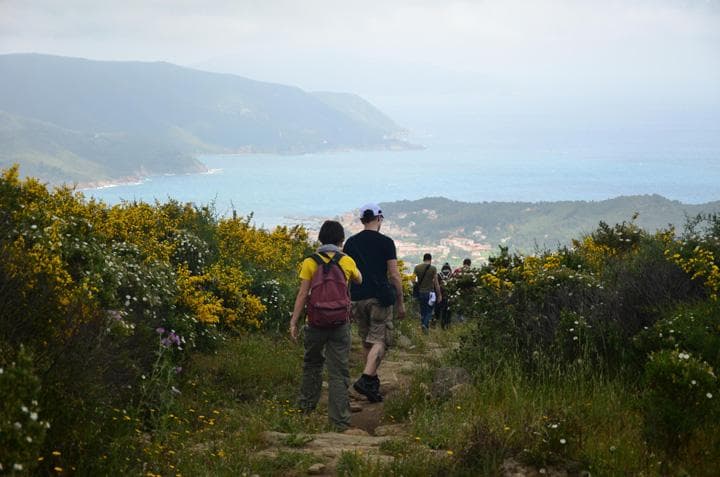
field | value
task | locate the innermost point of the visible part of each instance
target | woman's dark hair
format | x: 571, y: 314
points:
x: 427, y: 256
x: 331, y: 233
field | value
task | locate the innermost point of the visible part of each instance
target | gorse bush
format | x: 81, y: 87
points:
x: 611, y: 285
x: 639, y: 305
x: 108, y: 301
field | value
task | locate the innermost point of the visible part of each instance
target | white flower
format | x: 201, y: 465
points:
x: 24, y: 409
x: 28, y: 438
x: 575, y: 338
x: 709, y: 395
x: 34, y: 416
x: 563, y: 441
x: 17, y: 467
x: 17, y: 425
x: 554, y: 426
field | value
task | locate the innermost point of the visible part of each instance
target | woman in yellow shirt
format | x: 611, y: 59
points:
x: 329, y: 346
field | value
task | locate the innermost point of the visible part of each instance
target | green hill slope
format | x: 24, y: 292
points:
x: 63, y: 155
x: 523, y: 225
x: 156, y: 114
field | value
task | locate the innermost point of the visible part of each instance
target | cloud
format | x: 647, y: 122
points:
x: 534, y: 49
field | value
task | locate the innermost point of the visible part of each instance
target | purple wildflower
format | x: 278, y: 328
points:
x: 160, y: 330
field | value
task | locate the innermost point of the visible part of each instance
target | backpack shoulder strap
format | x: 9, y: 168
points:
x: 424, y: 273
x: 317, y: 258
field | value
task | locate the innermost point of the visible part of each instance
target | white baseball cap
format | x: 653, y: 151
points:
x: 369, y: 211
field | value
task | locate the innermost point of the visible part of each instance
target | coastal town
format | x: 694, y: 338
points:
x: 410, y: 247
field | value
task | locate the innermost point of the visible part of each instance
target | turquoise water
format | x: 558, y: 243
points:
x: 289, y: 189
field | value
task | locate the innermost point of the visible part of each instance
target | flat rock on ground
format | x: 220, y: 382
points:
x: 367, y: 431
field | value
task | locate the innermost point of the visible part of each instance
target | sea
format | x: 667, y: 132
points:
x: 301, y: 189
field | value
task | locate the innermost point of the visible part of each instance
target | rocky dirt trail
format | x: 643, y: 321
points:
x: 368, y: 429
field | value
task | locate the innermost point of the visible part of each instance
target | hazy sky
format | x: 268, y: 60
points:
x: 420, y: 60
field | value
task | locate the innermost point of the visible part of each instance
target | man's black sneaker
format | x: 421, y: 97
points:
x: 375, y: 380
x: 367, y: 388
x: 375, y: 384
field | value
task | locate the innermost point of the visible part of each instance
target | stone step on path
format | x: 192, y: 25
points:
x: 366, y: 434
x: 328, y: 446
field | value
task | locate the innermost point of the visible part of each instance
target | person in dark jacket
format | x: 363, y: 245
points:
x: 442, y: 309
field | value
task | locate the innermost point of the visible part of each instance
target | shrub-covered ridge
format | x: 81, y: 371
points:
x: 102, y: 304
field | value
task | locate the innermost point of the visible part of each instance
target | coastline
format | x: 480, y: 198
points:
x: 135, y: 180
x: 142, y: 178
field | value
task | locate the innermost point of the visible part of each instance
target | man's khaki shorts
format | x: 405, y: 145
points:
x: 375, y: 322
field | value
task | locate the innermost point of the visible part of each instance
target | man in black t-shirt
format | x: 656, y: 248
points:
x: 376, y: 257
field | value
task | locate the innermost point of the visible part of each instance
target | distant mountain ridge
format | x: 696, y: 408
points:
x: 524, y: 226
x: 75, y: 119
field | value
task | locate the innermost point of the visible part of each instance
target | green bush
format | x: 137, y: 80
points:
x: 22, y: 430
x: 610, y: 286
x: 681, y: 397
x: 690, y: 327
x: 112, y: 300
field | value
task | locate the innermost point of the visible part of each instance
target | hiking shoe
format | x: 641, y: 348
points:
x: 367, y: 388
x: 375, y: 380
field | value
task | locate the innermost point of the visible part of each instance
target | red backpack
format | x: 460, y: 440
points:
x: 329, y: 303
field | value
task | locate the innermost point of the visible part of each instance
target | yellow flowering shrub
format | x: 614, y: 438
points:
x: 194, y: 295
x: 220, y: 296
x: 96, y: 293
x: 142, y: 225
x: 701, y: 264
x: 593, y: 253
x: 495, y: 283
x: 276, y: 251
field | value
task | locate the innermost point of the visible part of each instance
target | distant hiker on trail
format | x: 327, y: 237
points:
x: 442, y: 309
x: 464, y: 269
x: 324, y: 278
x: 458, y: 274
x: 373, y: 300
x: 427, y: 290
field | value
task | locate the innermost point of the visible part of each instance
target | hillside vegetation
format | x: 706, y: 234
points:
x: 526, y: 226
x: 149, y: 339
x: 134, y: 118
